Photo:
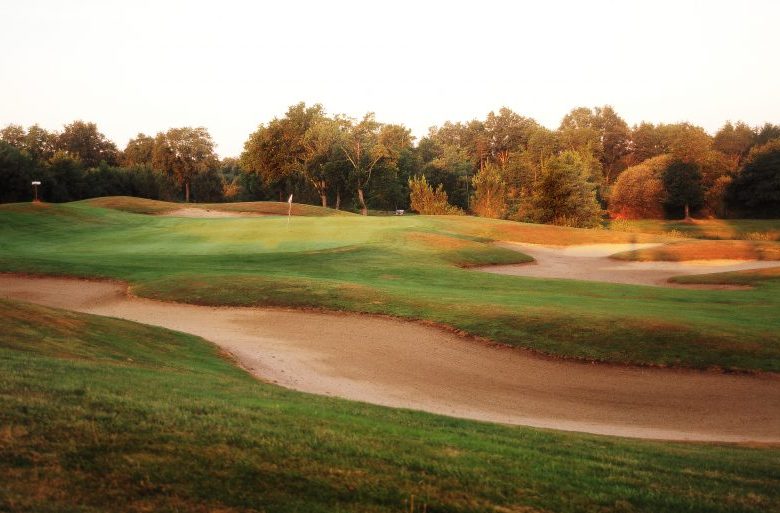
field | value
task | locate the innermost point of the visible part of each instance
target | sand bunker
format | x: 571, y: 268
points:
x: 402, y: 364
x: 205, y: 213
x: 591, y: 262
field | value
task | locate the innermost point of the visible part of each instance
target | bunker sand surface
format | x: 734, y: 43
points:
x: 402, y: 364
x: 591, y: 262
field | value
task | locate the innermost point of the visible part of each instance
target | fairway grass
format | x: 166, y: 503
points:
x: 98, y: 414
x: 413, y: 267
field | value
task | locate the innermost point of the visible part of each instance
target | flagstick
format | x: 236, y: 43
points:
x: 289, y: 212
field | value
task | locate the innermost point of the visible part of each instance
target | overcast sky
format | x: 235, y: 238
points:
x: 143, y: 66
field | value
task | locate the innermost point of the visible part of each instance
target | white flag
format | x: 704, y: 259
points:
x: 289, y: 200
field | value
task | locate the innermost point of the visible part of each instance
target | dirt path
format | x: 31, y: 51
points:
x: 591, y: 262
x: 403, y: 364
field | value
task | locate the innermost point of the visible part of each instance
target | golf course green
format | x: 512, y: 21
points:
x: 99, y: 414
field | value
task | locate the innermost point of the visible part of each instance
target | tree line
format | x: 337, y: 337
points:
x: 504, y: 166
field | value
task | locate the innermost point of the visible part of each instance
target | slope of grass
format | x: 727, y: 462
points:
x: 99, y: 414
x: 756, y: 229
x: 405, y: 266
x: 705, y: 250
x: 753, y: 278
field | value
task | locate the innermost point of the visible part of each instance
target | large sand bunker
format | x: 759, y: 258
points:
x: 403, y: 364
x: 591, y: 262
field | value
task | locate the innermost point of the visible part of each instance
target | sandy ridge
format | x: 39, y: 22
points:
x: 402, y: 364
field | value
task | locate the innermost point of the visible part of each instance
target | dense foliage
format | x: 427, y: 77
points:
x: 498, y: 167
x: 755, y: 192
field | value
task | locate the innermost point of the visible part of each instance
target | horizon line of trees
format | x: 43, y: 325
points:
x: 506, y: 166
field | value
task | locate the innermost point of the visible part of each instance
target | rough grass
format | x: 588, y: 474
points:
x: 99, y: 414
x: 410, y: 267
x: 705, y: 250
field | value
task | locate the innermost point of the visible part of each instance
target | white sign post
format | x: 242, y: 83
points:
x: 35, y: 185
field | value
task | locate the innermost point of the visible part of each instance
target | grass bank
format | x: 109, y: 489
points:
x: 99, y: 414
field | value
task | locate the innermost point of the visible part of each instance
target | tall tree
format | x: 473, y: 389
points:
x: 565, y: 195
x: 687, y: 143
x: 599, y: 132
x: 183, y: 153
x: 507, y: 133
x: 615, y: 140
x: 40, y: 143
x: 83, y: 140
x: 37, y: 142
x: 684, y: 190
x: 734, y: 141
x: 766, y: 133
x: 755, y: 190
x: 302, y: 143
x: 367, y: 143
x: 138, y: 151
x: 13, y: 135
x: 647, y: 141
x: 17, y: 170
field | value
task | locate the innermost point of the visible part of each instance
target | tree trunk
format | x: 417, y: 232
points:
x: 324, y: 198
x: 363, y: 207
x: 687, y: 212
x: 338, y: 199
x: 186, y: 191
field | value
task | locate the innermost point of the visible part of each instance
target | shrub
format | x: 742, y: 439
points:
x: 427, y: 201
x: 490, y: 197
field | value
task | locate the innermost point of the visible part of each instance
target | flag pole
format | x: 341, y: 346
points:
x: 289, y: 211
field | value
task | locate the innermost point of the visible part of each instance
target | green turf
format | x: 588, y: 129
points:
x: 406, y: 266
x: 98, y: 414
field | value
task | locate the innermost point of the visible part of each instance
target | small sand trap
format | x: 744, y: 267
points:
x: 591, y: 262
x: 205, y: 213
x: 407, y: 365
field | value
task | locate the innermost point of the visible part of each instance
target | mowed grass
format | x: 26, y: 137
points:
x: 99, y: 414
x: 414, y: 267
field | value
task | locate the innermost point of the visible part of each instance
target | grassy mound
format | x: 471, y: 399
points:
x: 99, y: 414
x: 745, y: 229
x: 752, y: 278
x: 147, y: 206
x: 705, y: 250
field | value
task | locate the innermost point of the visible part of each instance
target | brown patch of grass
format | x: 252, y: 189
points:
x: 438, y: 241
x: 540, y: 233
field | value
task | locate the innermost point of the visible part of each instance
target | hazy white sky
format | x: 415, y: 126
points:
x: 147, y: 66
